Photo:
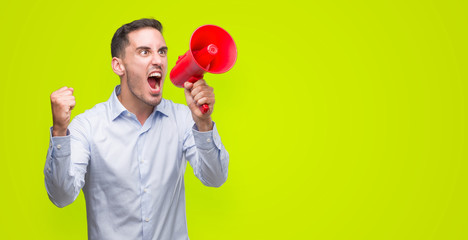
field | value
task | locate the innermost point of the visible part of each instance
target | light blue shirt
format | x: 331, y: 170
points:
x: 132, y: 176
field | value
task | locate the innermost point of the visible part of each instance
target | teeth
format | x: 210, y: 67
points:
x: 156, y: 74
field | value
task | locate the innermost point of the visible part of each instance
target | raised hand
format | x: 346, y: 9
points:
x: 62, y: 102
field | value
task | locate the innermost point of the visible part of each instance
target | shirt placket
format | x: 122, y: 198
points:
x: 143, y: 163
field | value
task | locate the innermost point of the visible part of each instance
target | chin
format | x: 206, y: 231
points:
x: 154, y: 101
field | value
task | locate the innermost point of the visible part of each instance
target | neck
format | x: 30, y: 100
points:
x: 141, y: 110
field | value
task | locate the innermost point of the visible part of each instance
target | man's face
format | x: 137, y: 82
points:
x: 145, y: 64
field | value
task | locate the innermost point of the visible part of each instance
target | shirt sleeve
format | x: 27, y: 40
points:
x: 66, y: 164
x: 207, y: 156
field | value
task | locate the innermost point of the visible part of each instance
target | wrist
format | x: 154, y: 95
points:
x: 58, y: 132
x: 205, y: 125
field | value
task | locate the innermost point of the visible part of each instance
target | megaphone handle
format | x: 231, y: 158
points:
x: 203, y: 108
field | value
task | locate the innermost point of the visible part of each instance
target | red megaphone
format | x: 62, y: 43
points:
x: 212, y: 50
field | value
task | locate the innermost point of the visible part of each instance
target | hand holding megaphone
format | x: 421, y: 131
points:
x: 211, y: 50
x: 199, y: 96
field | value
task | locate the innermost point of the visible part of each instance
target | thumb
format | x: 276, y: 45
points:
x: 188, y: 91
x: 188, y: 85
x: 188, y: 94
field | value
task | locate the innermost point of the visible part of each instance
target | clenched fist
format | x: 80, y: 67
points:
x: 197, y: 94
x: 62, y: 102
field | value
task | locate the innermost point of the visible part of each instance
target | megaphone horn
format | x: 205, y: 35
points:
x: 211, y: 50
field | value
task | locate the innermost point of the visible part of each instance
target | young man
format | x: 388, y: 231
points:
x: 129, y: 154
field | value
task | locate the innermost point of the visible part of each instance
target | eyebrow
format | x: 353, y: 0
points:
x: 148, y: 48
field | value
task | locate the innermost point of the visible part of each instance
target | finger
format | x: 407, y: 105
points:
x: 205, y: 91
x: 199, y: 89
x: 199, y: 83
x: 62, y: 93
x: 188, y: 90
x: 72, y: 105
x: 189, y: 98
x: 65, y: 97
x: 61, y: 90
x: 206, y: 100
x: 68, y: 91
x: 208, y: 94
x: 57, y: 92
x: 188, y: 85
x: 64, y: 102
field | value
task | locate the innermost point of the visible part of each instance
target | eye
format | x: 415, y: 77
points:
x: 144, y: 52
x: 162, y: 52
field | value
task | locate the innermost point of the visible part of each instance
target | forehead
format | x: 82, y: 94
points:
x: 148, y: 37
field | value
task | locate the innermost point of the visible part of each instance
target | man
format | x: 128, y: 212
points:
x: 129, y: 154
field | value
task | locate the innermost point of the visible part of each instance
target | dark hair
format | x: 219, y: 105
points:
x: 120, y: 38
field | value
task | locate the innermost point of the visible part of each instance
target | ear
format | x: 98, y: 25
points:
x: 117, y: 66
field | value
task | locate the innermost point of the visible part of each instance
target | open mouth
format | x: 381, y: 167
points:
x: 154, y: 80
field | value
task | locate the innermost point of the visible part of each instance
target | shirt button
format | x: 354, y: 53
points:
x: 59, y: 146
x: 208, y: 140
x: 129, y: 114
x: 145, y: 190
x: 48, y: 169
x: 147, y: 219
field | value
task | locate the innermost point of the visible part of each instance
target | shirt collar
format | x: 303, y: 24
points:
x: 116, y: 107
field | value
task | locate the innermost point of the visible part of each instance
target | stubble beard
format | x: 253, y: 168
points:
x: 133, y: 87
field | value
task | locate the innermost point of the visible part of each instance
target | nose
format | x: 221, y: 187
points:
x: 157, y: 60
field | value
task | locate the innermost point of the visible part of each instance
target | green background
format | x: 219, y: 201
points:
x: 343, y: 119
